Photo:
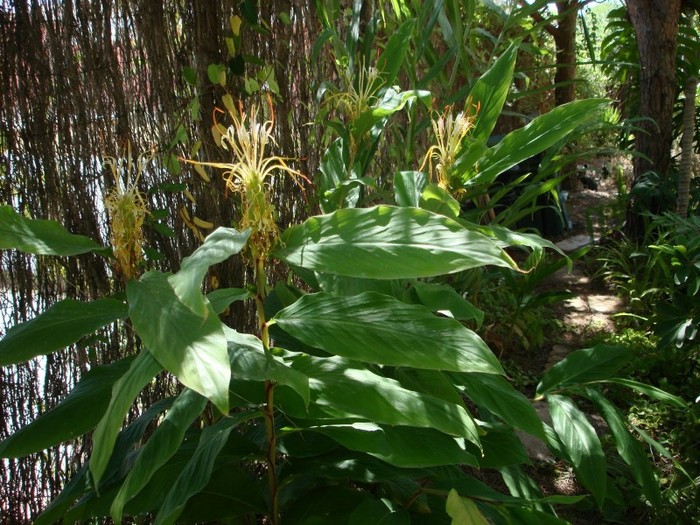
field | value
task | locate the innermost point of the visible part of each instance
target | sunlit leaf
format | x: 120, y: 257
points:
x: 342, y: 388
x: 40, y: 237
x: 583, y: 366
x: 380, y: 329
x: 386, y: 242
x: 191, y: 347
x: 463, y: 511
x: 218, y: 246
x: 60, y: 325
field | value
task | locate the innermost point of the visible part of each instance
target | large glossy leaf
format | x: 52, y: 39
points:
x: 380, y: 329
x: 401, y: 446
x: 463, y: 511
x: 628, y: 447
x: 651, y: 391
x: 444, y: 299
x: 343, y: 389
x: 408, y: 187
x: 583, y: 366
x: 77, y: 414
x: 490, y: 91
x: 391, y: 102
x: 543, y: 132
x: 499, y: 397
x: 249, y: 361
x: 386, y: 242
x: 390, y: 61
x: 581, y: 444
x: 221, y: 299
x: 62, y: 324
x: 161, y: 445
x: 191, y: 347
x: 40, y: 237
x: 196, y: 474
x: 217, y: 247
x: 141, y: 371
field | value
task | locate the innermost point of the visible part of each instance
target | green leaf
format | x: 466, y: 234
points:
x: 390, y: 61
x: 380, y: 329
x: 249, y: 361
x: 379, y: 512
x: 386, y: 242
x: 160, y: 447
x: 628, y: 447
x: 142, y: 370
x: 222, y: 298
x: 343, y: 389
x: 191, y: 347
x: 196, y: 474
x: 463, y: 511
x: 584, y: 366
x: 490, y: 91
x: 401, y: 446
x: 651, y: 391
x: 444, y: 299
x: 543, y: 132
x: 62, y: 324
x: 391, y: 102
x: 75, y: 415
x: 439, y: 201
x: 581, y: 444
x: 408, y: 187
x: 221, y: 244
x: 499, y: 397
x: 40, y: 237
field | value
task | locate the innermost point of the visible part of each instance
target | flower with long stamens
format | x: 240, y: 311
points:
x: 450, y: 130
x: 248, y: 175
x: 126, y: 210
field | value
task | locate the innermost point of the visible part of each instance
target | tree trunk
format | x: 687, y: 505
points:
x: 686, y: 147
x: 656, y: 26
x: 565, y: 41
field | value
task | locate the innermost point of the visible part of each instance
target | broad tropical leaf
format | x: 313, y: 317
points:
x: 408, y: 188
x: 386, y: 242
x: 142, y: 370
x: 343, y: 389
x: 490, y: 91
x: 221, y: 299
x: 193, y: 348
x: 40, y: 237
x: 62, y: 324
x: 651, y: 391
x: 162, y: 444
x: 463, y: 511
x: 401, y: 446
x: 77, y: 414
x: 380, y: 329
x: 581, y: 444
x: 196, y: 474
x: 217, y: 247
x: 628, y: 447
x: 249, y: 361
x: 584, y: 366
x: 379, y: 512
x: 499, y: 397
x: 521, y: 144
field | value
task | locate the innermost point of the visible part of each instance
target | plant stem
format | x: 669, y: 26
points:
x: 269, y: 408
